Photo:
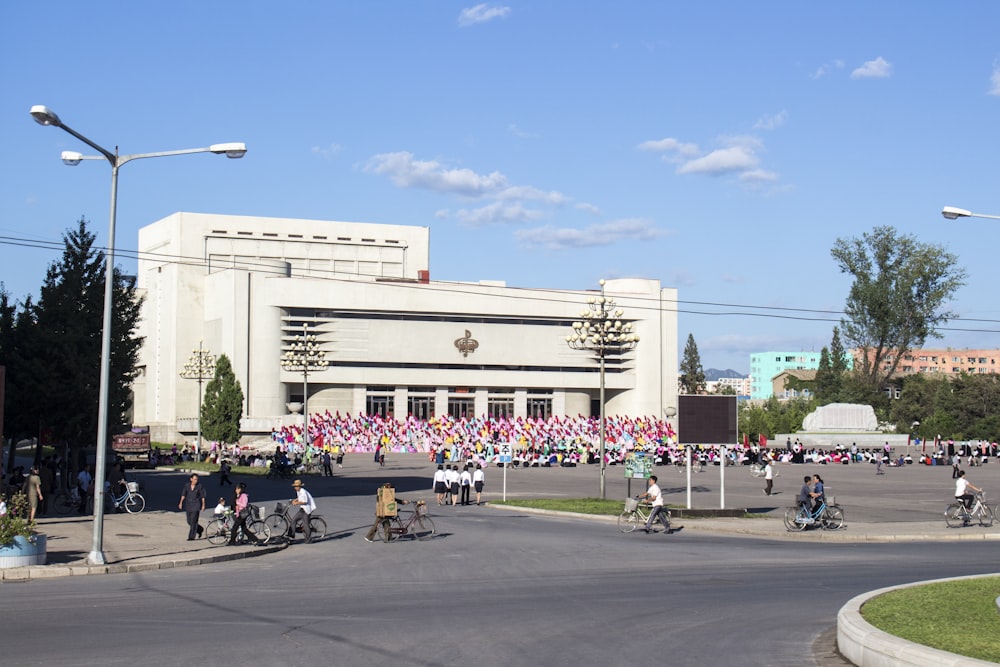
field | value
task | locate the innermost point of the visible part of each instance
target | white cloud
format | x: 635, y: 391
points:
x: 328, y: 152
x: 498, y: 213
x: 529, y: 192
x: 481, y: 13
x: 771, y: 122
x: 722, y: 161
x: 873, y: 69
x: 672, y: 147
x: 407, y: 172
x: 589, y: 208
x: 758, y: 176
x: 552, y: 238
x: 826, y: 67
x: 995, y: 80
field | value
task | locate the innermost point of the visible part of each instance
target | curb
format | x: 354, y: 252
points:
x: 867, y: 646
x: 19, y: 574
x: 713, y: 525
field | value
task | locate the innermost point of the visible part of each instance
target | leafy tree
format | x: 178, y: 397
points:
x: 838, y: 356
x: 725, y: 390
x: 692, y: 376
x: 65, y: 346
x: 896, y: 301
x: 223, y: 406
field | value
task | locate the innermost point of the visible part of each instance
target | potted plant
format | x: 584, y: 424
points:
x: 19, y: 543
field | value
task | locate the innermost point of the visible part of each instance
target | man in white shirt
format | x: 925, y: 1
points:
x: 83, y: 484
x: 304, y: 501
x: 962, y: 487
x: 654, y: 494
x: 768, y: 477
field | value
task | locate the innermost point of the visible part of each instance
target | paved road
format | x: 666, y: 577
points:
x: 499, y: 587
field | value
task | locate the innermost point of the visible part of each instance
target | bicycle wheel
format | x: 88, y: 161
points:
x: 317, y: 528
x: 389, y: 529
x: 833, y: 518
x: 217, y: 532
x: 627, y: 522
x: 791, y: 514
x: 277, y: 527
x: 135, y: 503
x: 986, y: 517
x: 954, y: 515
x: 422, y: 528
x: 65, y: 504
x: 260, y: 529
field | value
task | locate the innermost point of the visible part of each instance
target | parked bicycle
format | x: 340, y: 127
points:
x: 131, y: 500
x: 957, y: 514
x: 636, y: 514
x: 417, y: 523
x: 829, y: 516
x: 220, y: 528
x: 279, y: 524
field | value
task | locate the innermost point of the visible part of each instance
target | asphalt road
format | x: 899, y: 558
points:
x: 494, y: 587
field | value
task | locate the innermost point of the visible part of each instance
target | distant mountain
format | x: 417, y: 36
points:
x: 713, y: 374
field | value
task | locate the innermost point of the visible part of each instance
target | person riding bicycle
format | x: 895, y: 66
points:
x: 655, y: 495
x: 805, y: 496
x: 962, y: 487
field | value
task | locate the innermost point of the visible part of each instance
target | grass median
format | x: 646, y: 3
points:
x: 578, y: 505
x: 955, y: 616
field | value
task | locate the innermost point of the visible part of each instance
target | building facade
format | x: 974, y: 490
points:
x: 397, y: 342
x: 945, y: 361
x: 764, y: 366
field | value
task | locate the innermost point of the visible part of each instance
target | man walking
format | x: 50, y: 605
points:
x: 769, y: 477
x: 654, y: 494
x: 193, y: 504
x: 304, y: 501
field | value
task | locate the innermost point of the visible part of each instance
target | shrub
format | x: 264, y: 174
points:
x: 15, y: 521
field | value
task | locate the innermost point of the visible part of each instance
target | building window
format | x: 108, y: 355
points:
x: 540, y: 408
x: 461, y: 407
x: 379, y: 401
x: 500, y: 405
x: 420, y: 406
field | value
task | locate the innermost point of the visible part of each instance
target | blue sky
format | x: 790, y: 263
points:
x: 720, y: 147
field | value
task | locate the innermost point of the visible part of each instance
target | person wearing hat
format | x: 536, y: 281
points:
x: 304, y: 501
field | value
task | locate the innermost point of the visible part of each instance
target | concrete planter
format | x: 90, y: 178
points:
x: 23, y: 551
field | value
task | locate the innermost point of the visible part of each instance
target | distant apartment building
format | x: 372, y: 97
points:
x: 764, y: 366
x: 945, y: 361
x: 740, y: 385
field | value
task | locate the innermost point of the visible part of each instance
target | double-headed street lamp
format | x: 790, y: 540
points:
x: 953, y: 213
x: 45, y: 116
x: 305, y: 356
x: 603, y: 332
x: 200, y: 366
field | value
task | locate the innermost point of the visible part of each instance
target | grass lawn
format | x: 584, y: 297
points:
x: 955, y: 616
x: 578, y: 505
x: 213, y: 468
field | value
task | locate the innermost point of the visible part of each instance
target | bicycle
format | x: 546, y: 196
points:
x: 828, y: 516
x: 759, y: 470
x: 220, y: 528
x: 279, y: 524
x: 636, y: 514
x: 417, y: 524
x: 957, y: 514
x: 131, y: 500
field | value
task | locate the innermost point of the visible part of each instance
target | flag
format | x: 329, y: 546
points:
x: 746, y: 439
x: 762, y: 439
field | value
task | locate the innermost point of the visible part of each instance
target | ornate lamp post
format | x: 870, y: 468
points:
x: 200, y: 366
x: 45, y: 116
x: 602, y: 331
x: 305, y: 356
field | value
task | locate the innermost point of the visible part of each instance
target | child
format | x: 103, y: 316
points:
x: 220, y: 509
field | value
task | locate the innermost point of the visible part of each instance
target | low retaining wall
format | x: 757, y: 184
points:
x: 23, y: 552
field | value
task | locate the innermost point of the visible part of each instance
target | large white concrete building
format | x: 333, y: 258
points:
x: 398, y: 343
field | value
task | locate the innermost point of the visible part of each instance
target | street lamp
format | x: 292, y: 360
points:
x: 602, y: 331
x: 200, y: 366
x: 305, y: 356
x: 45, y: 116
x: 953, y: 213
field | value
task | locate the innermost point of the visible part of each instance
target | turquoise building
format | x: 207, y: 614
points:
x: 765, y: 365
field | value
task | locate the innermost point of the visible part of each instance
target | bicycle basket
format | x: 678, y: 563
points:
x: 132, y: 486
x: 279, y: 508
x: 259, y: 512
x: 631, y: 504
x: 421, y: 508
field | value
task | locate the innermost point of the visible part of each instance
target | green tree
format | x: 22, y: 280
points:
x: 692, y: 376
x: 63, y: 349
x: 223, y: 406
x: 896, y: 301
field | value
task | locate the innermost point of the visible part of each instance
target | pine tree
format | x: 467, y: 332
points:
x: 692, y: 376
x: 824, y: 378
x: 223, y: 406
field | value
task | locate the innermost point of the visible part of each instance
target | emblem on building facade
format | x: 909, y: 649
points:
x: 466, y: 344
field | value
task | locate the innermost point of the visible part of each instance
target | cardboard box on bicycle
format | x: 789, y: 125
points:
x: 385, y: 501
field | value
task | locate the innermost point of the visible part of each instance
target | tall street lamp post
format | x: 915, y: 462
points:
x: 603, y: 332
x: 45, y: 116
x: 200, y: 366
x: 305, y: 356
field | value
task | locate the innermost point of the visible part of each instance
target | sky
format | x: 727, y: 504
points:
x: 719, y: 147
